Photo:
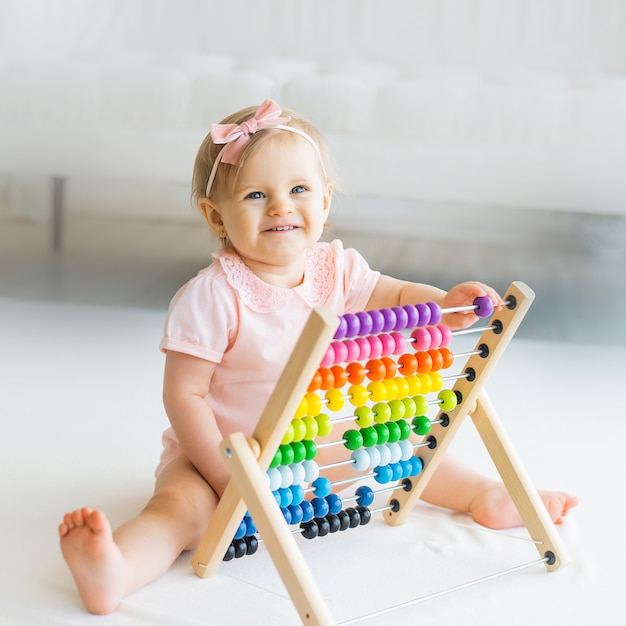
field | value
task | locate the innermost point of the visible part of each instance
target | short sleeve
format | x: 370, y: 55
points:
x: 202, y: 319
x: 359, y: 279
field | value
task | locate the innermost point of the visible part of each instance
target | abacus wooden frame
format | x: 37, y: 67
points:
x: 248, y: 460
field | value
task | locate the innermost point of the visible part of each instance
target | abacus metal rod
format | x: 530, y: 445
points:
x: 437, y: 594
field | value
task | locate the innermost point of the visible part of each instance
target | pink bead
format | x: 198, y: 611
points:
x: 422, y: 339
x: 435, y: 335
x: 446, y: 335
x: 341, y: 352
x: 353, y: 350
x: 365, y: 349
x: 376, y: 347
x: 329, y: 357
x: 400, y: 341
x: 389, y: 345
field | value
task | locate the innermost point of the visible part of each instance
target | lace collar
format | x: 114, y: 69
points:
x: 261, y: 297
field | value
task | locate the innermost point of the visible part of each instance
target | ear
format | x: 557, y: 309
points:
x: 328, y: 196
x: 211, y: 216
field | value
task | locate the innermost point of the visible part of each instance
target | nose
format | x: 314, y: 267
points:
x: 280, y: 205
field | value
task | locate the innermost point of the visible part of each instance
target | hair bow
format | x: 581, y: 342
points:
x: 236, y: 136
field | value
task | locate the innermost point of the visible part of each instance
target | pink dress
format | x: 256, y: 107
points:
x: 221, y: 314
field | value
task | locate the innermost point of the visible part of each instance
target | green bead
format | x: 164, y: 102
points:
x: 324, y: 425
x: 278, y: 457
x: 421, y: 425
x: 287, y: 454
x: 299, y: 429
x: 353, y: 440
x: 447, y: 400
x: 405, y: 429
x: 394, y: 432
x: 370, y: 436
x: 383, y: 433
x: 311, y: 449
x: 397, y: 410
x: 299, y: 451
x: 311, y: 427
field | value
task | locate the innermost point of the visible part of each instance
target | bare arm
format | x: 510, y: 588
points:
x: 185, y: 385
x: 393, y: 292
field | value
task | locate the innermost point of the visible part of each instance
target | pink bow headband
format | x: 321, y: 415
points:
x: 236, y: 136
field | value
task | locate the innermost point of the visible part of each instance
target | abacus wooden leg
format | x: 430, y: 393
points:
x: 518, y: 483
x: 269, y: 431
x: 281, y: 545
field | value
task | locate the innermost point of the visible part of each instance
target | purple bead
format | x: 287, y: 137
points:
x: 353, y: 325
x: 484, y: 306
x: 340, y: 333
x: 423, y: 311
x: 366, y: 323
x: 378, y: 321
x: 402, y: 318
x: 413, y: 317
x: 435, y: 312
x: 390, y: 320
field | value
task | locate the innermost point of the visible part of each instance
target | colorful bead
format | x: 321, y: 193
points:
x: 405, y: 429
x: 436, y: 381
x: 329, y: 357
x: 412, y: 315
x: 277, y: 460
x: 389, y: 344
x: 360, y: 459
x: 409, y: 406
x: 391, y: 387
x: 286, y: 453
x: 296, y: 513
x: 334, y: 399
x: 391, y: 369
x: 324, y: 425
x: 286, y: 497
x: 424, y: 362
x: 340, y: 376
x: 436, y: 359
x: 378, y: 321
x: 353, y: 350
x: 314, y: 385
x: 320, y: 507
x: 299, y: 475
x: 299, y: 429
x: 340, y: 351
x: 364, y: 495
x: 377, y: 391
x: 299, y: 452
x: 352, y: 439
x: 416, y: 465
x: 363, y: 416
x: 447, y: 356
x: 446, y: 335
x: 382, y: 474
x: 407, y: 364
x: 435, y: 312
x: 394, y: 431
x: 353, y: 325
x: 314, y: 403
x: 397, y: 409
x: 358, y: 395
x: 311, y: 426
x: 390, y: 320
x: 421, y: 425
x: 426, y: 382
x: 415, y: 384
x: 447, y: 400
x: 322, y: 487
x: 382, y: 412
x: 311, y: 471
x: 421, y: 405
x: 402, y: 384
x: 307, y: 511
x: 334, y: 503
x: 297, y: 494
x: 424, y: 312
x: 327, y: 378
x: 402, y: 318
x: 374, y: 455
x: 383, y: 432
x: 288, y: 436
x: 484, y: 306
x: 365, y: 321
x: 273, y: 478
x: 365, y: 349
x: 421, y: 339
x: 376, y: 346
x: 355, y: 373
x: 340, y: 333
x: 375, y: 369
x: 399, y: 341
x: 406, y: 448
x: 370, y: 436
x: 311, y: 449
x: 286, y: 475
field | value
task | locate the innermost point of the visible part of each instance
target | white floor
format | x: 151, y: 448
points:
x: 81, y: 420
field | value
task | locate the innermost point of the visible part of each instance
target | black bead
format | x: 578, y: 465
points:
x: 333, y: 521
x: 252, y: 544
x: 344, y: 520
x: 241, y: 548
x: 310, y: 529
x: 323, y: 527
x: 365, y: 513
x: 230, y: 553
x: 355, y: 517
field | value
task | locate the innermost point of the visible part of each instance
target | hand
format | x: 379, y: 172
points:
x: 464, y: 295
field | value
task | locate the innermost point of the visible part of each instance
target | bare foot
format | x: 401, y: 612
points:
x: 94, y: 559
x: 494, y: 508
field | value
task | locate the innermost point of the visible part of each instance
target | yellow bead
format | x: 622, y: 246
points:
x: 334, y: 400
x: 421, y: 405
x: 436, y: 380
x: 288, y: 438
x: 427, y: 383
x: 314, y: 403
x: 299, y: 429
x: 392, y: 388
x: 302, y: 409
x: 377, y: 391
x: 415, y: 384
x: 358, y: 395
x: 403, y: 387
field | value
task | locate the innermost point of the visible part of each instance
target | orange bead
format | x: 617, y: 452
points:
x: 328, y: 378
x: 390, y: 367
x: 375, y: 369
x: 356, y: 373
x: 437, y: 359
x: 407, y: 364
x: 448, y: 357
x: 340, y: 376
x: 424, y: 362
x: 316, y: 382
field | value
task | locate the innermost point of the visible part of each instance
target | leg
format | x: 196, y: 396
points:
x: 108, y: 566
x: 458, y: 487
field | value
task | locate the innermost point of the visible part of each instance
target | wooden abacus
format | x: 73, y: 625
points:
x: 263, y: 495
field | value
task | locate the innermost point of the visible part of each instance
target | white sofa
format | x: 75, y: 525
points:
x: 439, y: 102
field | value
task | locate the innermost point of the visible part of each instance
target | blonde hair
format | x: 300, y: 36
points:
x: 226, y: 175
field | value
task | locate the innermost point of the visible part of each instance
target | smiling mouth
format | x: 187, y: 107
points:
x: 281, y: 228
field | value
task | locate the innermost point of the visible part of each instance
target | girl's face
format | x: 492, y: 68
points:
x: 277, y: 210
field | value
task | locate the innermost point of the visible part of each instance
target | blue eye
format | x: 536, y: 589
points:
x: 255, y: 195
x: 298, y: 189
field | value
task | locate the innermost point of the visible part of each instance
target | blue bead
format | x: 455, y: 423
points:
x: 320, y: 507
x: 297, y: 493
x: 334, y: 503
x: 364, y: 495
x: 396, y: 471
x: 382, y: 474
x: 322, y: 487
x: 307, y: 511
x: 286, y: 514
x: 240, y: 533
x: 416, y: 465
x: 286, y: 497
x: 250, y: 526
x: 406, y: 468
x: 296, y: 513
x: 276, y: 497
